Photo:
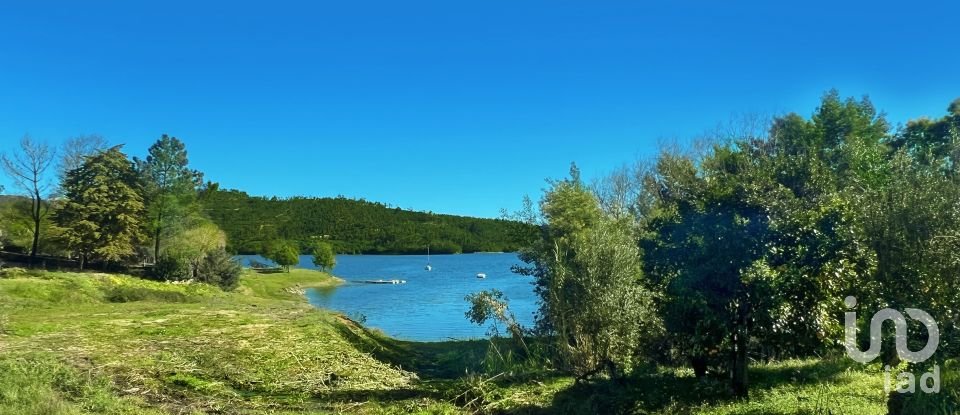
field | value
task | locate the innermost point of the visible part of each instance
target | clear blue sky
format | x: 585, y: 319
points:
x: 451, y: 106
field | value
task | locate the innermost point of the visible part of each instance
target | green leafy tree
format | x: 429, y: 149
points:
x: 595, y: 302
x: 284, y: 253
x: 704, y: 235
x: 323, y: 256
x: 18, y: 226
x: 759, y: 230
x: 102, y: 208
x: 195, y: 243
x: 169, y: 185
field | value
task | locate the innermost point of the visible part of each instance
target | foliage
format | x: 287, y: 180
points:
x: 594, y: 300
x: 748, y: 246
x: 284, y: 253
x: 28, y: 168
x: 221, y: 269
x: 492, y: 306
x: 323, y: 256
x: 169, y: 186
x: 76, y: 149
x: 206, y: 349
x: 171, y: 268
x: 947, y: 401
x: 760, y: 230
x: 102, y: 209
x: 198, y: 254
x: 195, y: 243
x: 353, y: 226
x: 17, y: 228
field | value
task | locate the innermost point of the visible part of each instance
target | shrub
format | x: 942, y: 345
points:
x: 220, y: 269
x: 171, y: 268
x: 595, y: 301
x: 132, y: 293
x: 919, y: 403
x: 12, y: 272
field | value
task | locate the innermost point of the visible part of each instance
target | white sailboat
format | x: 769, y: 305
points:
x: 428, y: 267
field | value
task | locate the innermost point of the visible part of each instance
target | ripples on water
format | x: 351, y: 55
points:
x: 431, y: 305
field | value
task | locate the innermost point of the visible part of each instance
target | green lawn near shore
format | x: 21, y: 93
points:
x: 74, y: 343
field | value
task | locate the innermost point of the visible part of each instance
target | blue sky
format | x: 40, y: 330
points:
x: 450, y: 106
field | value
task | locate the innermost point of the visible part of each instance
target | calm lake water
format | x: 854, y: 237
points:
x: 431, y: 305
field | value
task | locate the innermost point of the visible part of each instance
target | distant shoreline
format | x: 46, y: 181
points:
x: 409, y: 254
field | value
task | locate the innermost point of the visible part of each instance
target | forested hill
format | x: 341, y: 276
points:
x: 353, y: 226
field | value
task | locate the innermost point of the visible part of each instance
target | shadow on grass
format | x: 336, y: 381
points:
x: 439, y: 366
x: 435, y: 360
x: 672, y: 392
x: 389, y: 395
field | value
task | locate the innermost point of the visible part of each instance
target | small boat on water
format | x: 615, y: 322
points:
x: 428, y: 267
x: 383, y: 281
x: 481, y: 275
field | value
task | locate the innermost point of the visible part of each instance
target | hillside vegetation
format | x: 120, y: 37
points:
x: 354, y: 226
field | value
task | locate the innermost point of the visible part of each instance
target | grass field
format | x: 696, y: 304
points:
x: 97, y: 343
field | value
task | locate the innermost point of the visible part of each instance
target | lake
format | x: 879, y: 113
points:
x: 431, y: 305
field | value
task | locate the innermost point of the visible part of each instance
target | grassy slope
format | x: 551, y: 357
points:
x: 95, y: 343
x: 180, y: 348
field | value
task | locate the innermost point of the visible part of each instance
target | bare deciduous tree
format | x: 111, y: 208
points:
x: 76, y: 149
x: 28, y: 169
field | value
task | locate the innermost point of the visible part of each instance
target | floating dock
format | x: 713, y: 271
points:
x: 382, y: 281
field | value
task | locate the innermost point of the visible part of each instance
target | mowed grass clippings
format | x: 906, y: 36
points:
x: 78, y: 343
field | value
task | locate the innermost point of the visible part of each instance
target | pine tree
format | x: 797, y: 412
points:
x: 170, y: 186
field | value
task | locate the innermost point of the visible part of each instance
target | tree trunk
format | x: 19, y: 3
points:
x: 156, y: 237
x: 738, y: 379
x: 699, y: 364
x: 36, y: 223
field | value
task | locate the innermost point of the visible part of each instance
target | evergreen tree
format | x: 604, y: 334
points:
x: 169, y: 186
x: 102, y: 208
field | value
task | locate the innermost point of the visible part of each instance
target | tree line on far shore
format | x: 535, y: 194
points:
x: 355, y: 226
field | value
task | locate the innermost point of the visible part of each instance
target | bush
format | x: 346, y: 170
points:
x: 130, y: 293
x: 171, y: 268
x: 595, y: 301
x: 12, y: 272
x: 220, y: 269
x: 920, y: 403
